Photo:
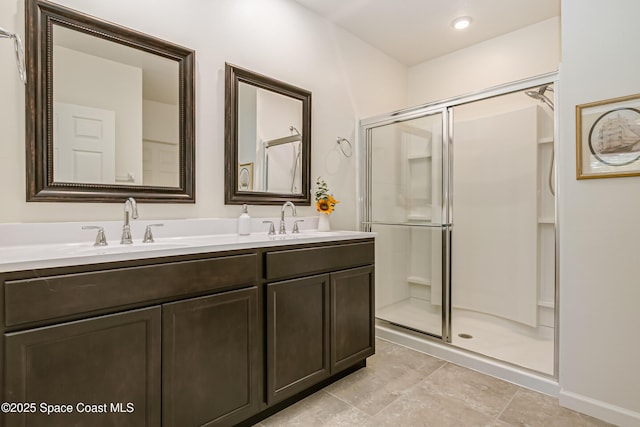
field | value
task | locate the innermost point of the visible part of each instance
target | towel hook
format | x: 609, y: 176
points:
x: 346, y: 149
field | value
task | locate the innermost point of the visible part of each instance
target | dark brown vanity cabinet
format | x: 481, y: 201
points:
x: 352, y: 317
x: 320, y: 325
x: 99, y: 371
x: 214, y: 339
x: 210, y: 359
x: 173, y: 342
x: 297, y: 335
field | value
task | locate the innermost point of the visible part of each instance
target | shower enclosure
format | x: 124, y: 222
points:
x: 407, y: 208
x: 462, y: 195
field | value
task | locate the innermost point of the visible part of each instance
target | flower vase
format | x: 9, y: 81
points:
x: 323, y: 223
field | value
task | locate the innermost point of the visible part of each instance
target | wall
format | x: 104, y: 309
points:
x: 160, y: 122
x: 598, y: 219
x: 530, y: 51
x: 278, y: 38
x: 599, y: 232
x: 247, y: 124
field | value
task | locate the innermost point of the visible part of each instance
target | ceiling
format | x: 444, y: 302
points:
x: 414, y: 31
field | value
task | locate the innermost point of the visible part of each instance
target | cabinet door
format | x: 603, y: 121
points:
x: 297, y: 335
x: 352, y: 317
x: 210, y: 350
x: 110, y: 362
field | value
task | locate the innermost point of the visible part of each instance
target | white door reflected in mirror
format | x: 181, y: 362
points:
x: 84, y: 149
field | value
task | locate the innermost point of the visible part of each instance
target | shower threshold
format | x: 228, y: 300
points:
x: 506, y: 371
x: 490, y: 336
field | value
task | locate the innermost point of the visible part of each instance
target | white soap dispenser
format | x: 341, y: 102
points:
x: 244, y: 222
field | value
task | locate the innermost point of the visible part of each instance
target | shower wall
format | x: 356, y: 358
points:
x: 494, y: 236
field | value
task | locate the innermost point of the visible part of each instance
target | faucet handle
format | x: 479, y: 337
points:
x: 295, y: 226
x: 101, y: 239
x: 272, y: 228
x: 148, y: 235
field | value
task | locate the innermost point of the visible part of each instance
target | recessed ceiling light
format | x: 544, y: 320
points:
x: 461, y: 22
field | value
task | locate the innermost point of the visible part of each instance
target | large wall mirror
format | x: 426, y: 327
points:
x: 110, y: 111
x: 267, y: 139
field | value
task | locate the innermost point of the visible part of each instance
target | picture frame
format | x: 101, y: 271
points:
x: 608, y: 138
x: 245, y: 177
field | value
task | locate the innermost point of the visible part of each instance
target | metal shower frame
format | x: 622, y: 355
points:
x: 445, y: 107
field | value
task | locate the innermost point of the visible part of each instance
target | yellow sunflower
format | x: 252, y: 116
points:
x: 324, y: 206
x: 331, y: 200
x: 325, y: 203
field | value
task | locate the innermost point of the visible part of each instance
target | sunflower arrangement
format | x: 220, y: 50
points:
x: 325, y: 203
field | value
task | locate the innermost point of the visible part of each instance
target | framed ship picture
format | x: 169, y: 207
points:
x: 608, y: 138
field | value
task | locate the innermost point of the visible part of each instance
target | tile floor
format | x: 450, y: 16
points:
x: 401, y: 387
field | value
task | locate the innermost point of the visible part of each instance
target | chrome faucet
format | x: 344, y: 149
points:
x: 130, y: 205
x: 283, y: 230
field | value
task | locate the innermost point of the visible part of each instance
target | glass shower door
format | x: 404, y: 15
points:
x: 405, y: 207
x: 503, y: 239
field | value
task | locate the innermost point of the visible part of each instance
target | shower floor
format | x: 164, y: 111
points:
x: 491, y: 336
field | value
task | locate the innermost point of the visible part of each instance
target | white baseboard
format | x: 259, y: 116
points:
x: 596, y: 408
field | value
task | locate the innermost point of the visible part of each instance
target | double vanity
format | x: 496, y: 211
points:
x: 192, y: 324
x: 202, y: 328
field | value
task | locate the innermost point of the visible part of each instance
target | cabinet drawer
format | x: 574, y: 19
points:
x: 305, y: 261
x: 46, y: 298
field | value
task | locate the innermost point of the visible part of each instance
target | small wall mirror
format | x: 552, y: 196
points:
x: 267, y: 139
x: 109, y: 111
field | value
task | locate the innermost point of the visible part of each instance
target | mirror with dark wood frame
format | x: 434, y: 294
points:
x: 110, y: 111
x: 267, y: 139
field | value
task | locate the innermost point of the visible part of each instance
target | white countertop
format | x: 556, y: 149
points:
x: 51, y: 249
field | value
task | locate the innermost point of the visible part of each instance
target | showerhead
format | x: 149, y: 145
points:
x: 540, y: 96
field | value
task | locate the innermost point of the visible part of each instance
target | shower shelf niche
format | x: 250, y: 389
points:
x: 416, y: 148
